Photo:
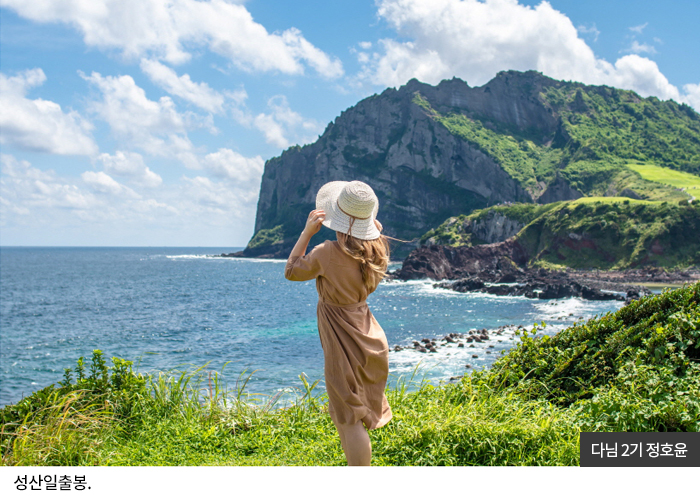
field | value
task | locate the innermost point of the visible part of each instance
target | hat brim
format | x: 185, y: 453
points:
x: 336, y: 220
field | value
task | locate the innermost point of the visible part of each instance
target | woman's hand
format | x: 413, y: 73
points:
x: 313, y: 223
x: 379, y: 225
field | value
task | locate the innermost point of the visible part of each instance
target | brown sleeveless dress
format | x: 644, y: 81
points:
x: 355, y: 350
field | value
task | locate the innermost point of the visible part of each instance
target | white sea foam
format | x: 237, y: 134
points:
x: 220, y: 257
x: 450, y: 359
x: 409, y: 283
x: 561, y: 307
x: 572, y: 306
x: 191, y: 256
x: 425, y: 288
x: 249, y: 259
x: 419, y: 288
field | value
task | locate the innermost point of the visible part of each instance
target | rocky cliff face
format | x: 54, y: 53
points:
x: 462, y: 230
x: 495, y: 227
x: 429, y: 152
x: 420, y: 171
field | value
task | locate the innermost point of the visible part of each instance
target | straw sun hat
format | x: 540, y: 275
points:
x: 350, y: 207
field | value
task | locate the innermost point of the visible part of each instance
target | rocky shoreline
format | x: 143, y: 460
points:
x: 483, y: 341
x: 501, y: 269
x: 459, y: 339
x: 543, y: 284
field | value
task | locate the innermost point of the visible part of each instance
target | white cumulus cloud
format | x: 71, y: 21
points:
x: 282, y: 124
x: 155, y: 127
x: 103, y: 183
x: 474, y: 40
x: 38, y: 124
x: 170, y: 29
x: 26, y: 189
x: 208, y: 195
x: 231, y: 165
x: 692, y: 94
x: 42, y: 207
x: 43, y: 200
x: 131, y: 166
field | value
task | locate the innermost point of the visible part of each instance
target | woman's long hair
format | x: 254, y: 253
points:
x: 373, y: 256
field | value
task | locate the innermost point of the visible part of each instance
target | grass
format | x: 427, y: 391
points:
x: 600, y: 232
x: 662, y: 175
x: 588, y: 200
x: 615, y: 233
x: 634, y: 370
x: 267, y: 237
x: 175, y: 420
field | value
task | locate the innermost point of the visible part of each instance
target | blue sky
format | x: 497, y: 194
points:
x: 148, y: 122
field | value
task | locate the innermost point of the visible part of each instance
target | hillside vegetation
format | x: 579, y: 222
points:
x: 601, y: 129
x: 637, y: 370
x: 602, y: 233
x: 615, y: 233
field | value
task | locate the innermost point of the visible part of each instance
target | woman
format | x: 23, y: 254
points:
x: 355, y: 349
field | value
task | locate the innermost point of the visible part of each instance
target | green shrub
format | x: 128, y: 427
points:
x: 635, y: 369
x: 65, y: 425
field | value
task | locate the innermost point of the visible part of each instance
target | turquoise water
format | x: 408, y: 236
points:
x: 168, y: 308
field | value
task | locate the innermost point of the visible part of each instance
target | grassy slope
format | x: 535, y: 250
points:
x: 595, y: 232
x: 615, y: 233
x: 633, y: 370
x: 680, y: 180
x: 637, y: 369
x: 522, y: 158
x: 605, y: 123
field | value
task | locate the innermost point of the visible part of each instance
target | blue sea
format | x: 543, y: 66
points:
x: 182, y: 308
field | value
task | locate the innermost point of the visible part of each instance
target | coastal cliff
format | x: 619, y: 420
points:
x: 433, y: 152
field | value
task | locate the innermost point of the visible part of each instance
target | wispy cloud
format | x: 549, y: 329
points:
x: 131, y: 166
x: 639, y: 29
x: 199, y: 94
x: 281, y: 125
x: 640, y: 48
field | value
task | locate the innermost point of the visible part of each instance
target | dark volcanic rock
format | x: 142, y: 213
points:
x: 442, y: 262
x: 537, y: 287
x: 500, y: 269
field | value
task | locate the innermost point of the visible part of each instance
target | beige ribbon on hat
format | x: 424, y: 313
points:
x: 352, y: 218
